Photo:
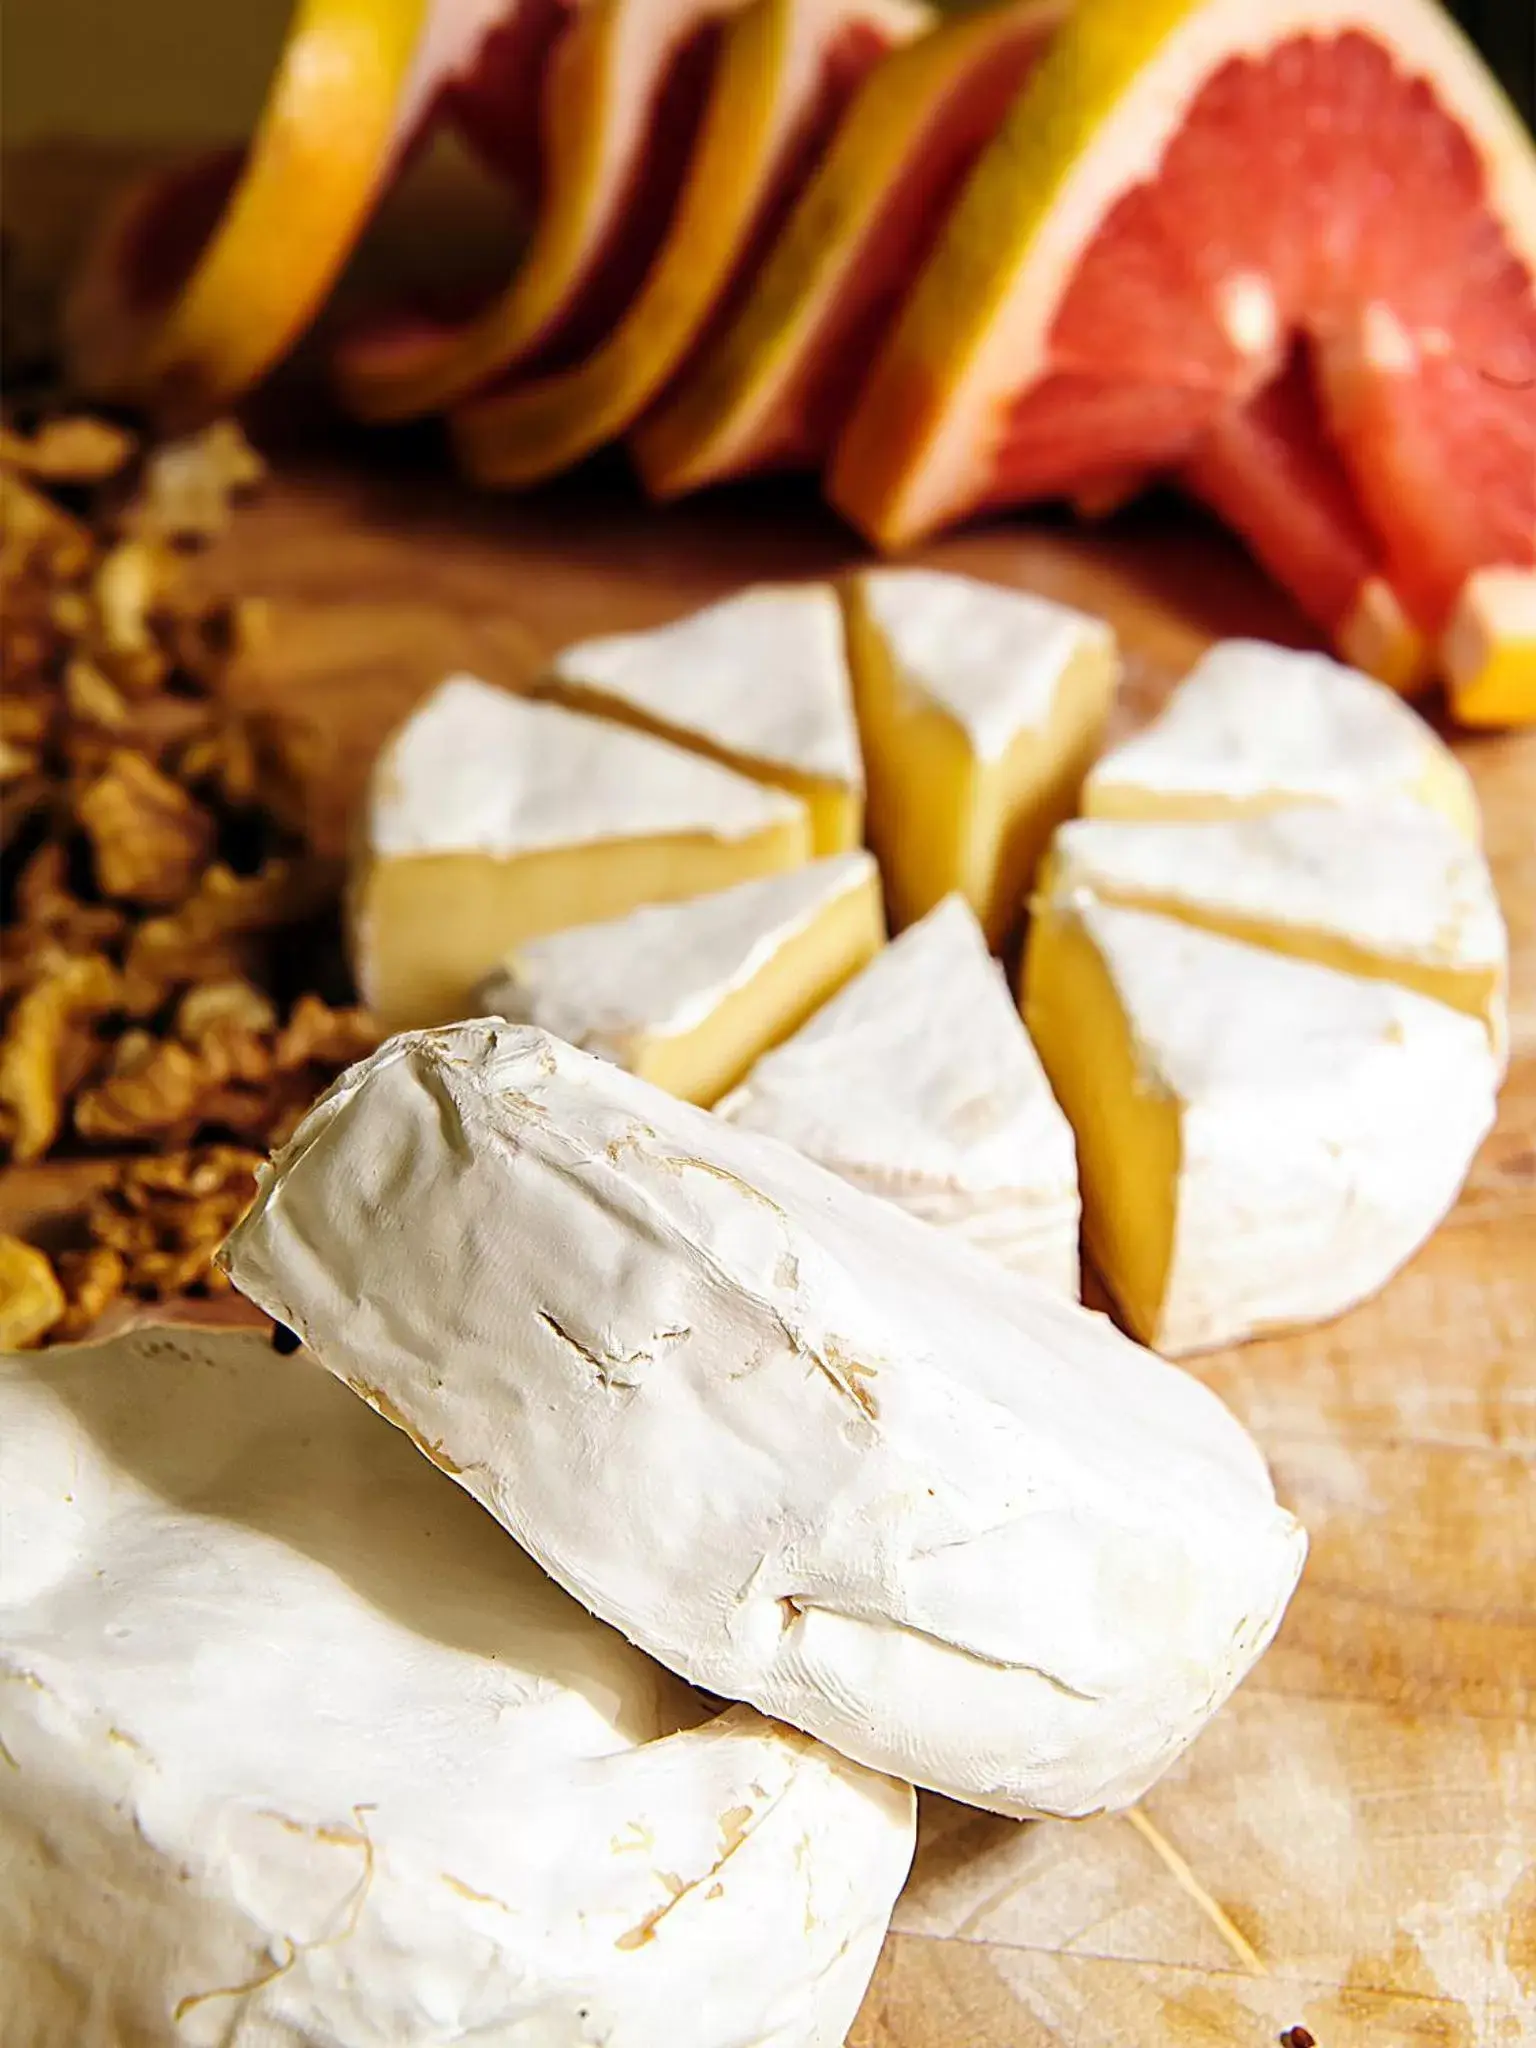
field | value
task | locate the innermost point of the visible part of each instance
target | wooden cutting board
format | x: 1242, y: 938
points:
x: 1352, y: 1845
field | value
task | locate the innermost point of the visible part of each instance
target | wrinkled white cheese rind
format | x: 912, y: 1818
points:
x: 805, y: 1450
x: 1326, y: 1122
x: 918, y: 1082
x: 665, y: 968
x: 1257, y: 725
x: 479, y: 770
x: 990, y: 657
x: 300, y: 1749
x: 1403, y: 886
x: 762, y: 675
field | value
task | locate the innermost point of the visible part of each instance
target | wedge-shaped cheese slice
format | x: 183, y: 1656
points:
x: 980, y: 710
x: 758, y: 681
x: 800, y: 1447
x: 690, y: 994
x: 300, y: 1748
x: 919, y: 1083
x: 1397, y: 896
x: 1262, y: 1141
x: 1255, y: 727
x: 490, y: 819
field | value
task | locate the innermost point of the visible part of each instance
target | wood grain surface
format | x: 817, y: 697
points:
x: 1352, y: 1846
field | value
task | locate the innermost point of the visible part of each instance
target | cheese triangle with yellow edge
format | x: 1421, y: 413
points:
x: 758, y: 681
x: 1262, y: 1141
x: 1396, y: 896
x: 980, y: 709
x: 918, y: 1083
x: 490, y: 819
x: 1255, y: 727
x: 688, y: 995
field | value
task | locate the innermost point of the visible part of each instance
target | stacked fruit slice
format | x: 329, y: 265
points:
x: 1282, y: 250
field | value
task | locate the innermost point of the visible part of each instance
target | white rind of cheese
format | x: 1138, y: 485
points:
x: 300, y: 1748
x: 1254, y: 727
x: 664, y: 969
x: 1402, y: 890
x: 1326, y: 1122
x: 918, y: 1082
x: 805, y: 1450
x: 763, y: 674
x: 991, y: 658
x: 480, y: 770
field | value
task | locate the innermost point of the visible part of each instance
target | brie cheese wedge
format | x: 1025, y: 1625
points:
x: 980, y: 709
x: 1262, y: 1141
x: 299, y: 1748
x: 759, y: 681
x: 490, y: 819
x: 690, y: 994
x: 805, y: 1450
x: 1396, y: 896
x: 1255, y: 727
x: 919, y: 1083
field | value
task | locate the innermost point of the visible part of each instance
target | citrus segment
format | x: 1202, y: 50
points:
x: 785, y: 71
x: 623, y: 94
x: 771, y: 390
x: 1271, y: 473
x: 203, y: 275
x: 1185, y: 189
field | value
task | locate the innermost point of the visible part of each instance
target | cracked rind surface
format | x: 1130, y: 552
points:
x: 805, y: 1450
x: 299, y: 1748
x: 918, y: 1082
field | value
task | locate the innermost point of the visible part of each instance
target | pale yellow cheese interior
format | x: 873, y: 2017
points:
x: 1478, y: 991
x: 1441, y: 788
x: 837, y: 810
x: 427, y: 928
x: 942, y: 818
x: 702, y: 1063
x: 1128, y: 1127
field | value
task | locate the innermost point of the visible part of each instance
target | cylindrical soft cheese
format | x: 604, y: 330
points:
x: 806, y: 1450
x: 301, y: 1750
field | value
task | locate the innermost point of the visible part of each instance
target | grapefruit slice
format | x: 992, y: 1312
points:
x: 622, y: 100
x: 785, y: 72
x: 1269, y: 470
x: 769, y: 393
x: 203, y: 275
x: 1183, y: 191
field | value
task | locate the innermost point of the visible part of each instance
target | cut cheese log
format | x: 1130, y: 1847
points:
x: 802, y: 1448
x: 980, y: 709
x: 1397, y: 896
x: 1254, y: 727
x: 491, y: 819
x: 1262, y: 1141
x: 689, y: 994
x: 300, y: 1748
x: 758, y: 681
x: 785, y: 69
x: 919, y: 1083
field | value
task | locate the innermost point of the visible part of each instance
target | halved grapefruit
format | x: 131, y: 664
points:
x: 769, y: 393
x: 1184, y: 193
x: 785, y: 72
x: 622, y: 99
x: 202, y: 276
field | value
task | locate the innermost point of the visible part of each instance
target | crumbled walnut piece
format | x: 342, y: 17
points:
x: 189, y: 485
x: 35, y: 534
x: 167, y: 1217
x: 31, y: 1098
x: 154, y: 1085
x: 31, y: 1299
x: 131, y: 582
x: 92, y: 700
x: 75, y: 449
x: 317, y: 1035
x: 218, y: 1005
x: 92, y: 1280
x: 202, y: 940
x: 150, y: 839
